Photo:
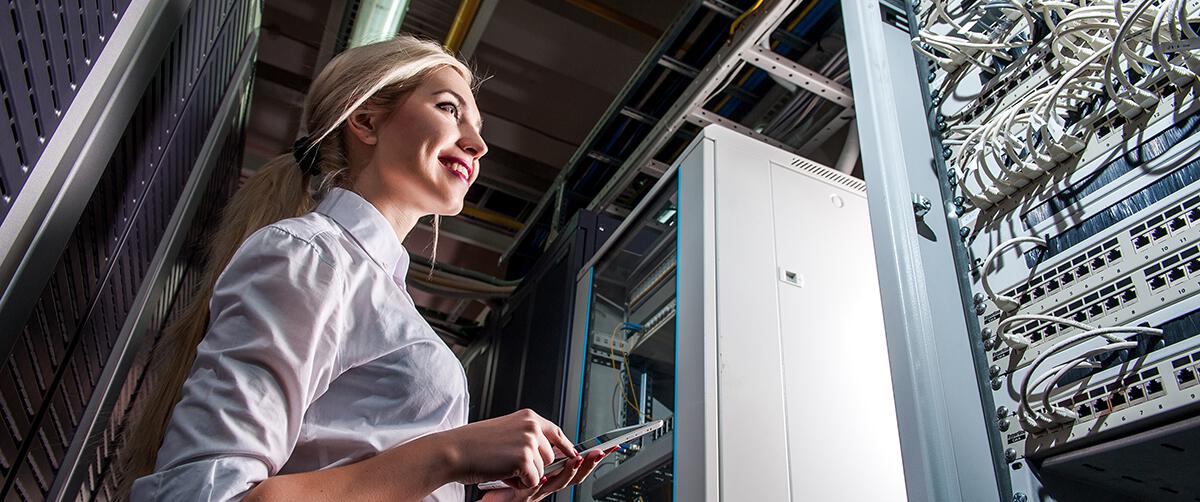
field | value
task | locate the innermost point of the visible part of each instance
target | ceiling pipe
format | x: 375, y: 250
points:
x: 617, y: 17
x: 462, y: 24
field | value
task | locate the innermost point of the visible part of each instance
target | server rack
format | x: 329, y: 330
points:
x: 727, y: 308
x: 526, y: 357
x: 1120, y: 420
x: 127, y: 122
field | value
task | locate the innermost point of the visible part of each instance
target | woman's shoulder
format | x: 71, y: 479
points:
x: 308, y: 235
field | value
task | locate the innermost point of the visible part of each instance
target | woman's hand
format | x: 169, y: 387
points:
x: 575, y: 471
x: 515, y: 448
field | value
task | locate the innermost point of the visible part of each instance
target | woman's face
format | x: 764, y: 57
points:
x: 427, y: 147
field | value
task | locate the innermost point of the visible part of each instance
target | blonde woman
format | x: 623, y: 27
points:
x: 303, y: 371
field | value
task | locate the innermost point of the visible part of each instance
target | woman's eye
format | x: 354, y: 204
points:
x: 449, y: 107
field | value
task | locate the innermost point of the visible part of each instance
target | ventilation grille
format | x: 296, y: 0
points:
x: 47, y: 48
x: 47, y: 381
x: 804, y: 165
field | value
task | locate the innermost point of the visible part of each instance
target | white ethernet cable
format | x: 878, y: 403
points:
x: 1059, y: 414
x: 1168, y: 16
x: 1006, y: 303
x: 963, y: 45
x: 1033, y: 420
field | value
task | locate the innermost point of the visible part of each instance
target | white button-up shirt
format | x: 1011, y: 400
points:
x: 315, y: 357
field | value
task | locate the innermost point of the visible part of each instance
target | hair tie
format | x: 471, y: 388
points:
x: 307, y: 155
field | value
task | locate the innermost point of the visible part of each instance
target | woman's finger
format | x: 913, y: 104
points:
x: 560, y: 479
x: 555, y: 435
x: 531, y: 473
x: 586, y: 467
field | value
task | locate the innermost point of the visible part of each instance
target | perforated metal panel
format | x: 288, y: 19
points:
x: 47, y: 381
x: 47, y: 48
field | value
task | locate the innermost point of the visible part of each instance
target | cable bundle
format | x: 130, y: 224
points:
x: 1099, y: 51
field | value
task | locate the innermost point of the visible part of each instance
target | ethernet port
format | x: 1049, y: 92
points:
x: 1024, y: 298
x: 1052, y: 284
x: 1141, y: 241
x: 1051, y: 330
x: 1185, y: 376
x: 1038, y: 292
x: 1176, y: 274
x: 1193, y: 266
x: 1177, y: 224
x: 1082, y: 270
x: 1036, y: 336
x: 1158, y: 233
x: 1157, y: 282
x: 1114, y: 255
x: 1154, y: 386
x: 1067, y: 277
x: 1095, y: 310
x: 1112, y: 303
x: 1136, y: 392
x: 1194, y: 215
x: 1097, y: 263
x: 1117, y: 399
x: 1083, y: 410
x: 1129, y: 295
x: 1080, y: 316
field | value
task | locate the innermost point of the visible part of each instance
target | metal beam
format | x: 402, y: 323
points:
x: 789, y: 70
x: 758, y: 27
x: 655, y: 168
x: 702, y: 118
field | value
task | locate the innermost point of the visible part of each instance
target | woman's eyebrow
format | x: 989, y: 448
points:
x: 462, y: 103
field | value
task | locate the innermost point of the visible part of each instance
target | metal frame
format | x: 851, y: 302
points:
x: 158, y: 283
x: 949, y: 452
x: 750, y: 45
x: 36, y: 230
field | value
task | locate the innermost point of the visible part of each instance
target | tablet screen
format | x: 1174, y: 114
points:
x: 606, y: 437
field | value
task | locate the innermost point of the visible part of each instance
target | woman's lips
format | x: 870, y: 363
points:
x: 457, y: 167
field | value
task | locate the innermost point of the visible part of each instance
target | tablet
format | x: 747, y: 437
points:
x: 599, y: 443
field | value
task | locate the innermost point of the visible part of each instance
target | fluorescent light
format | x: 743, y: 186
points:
x: 377, y: 20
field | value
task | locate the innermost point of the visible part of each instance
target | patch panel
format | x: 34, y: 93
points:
x: 1085, y: 310
x: 1077, y: 286
x: 1174, y: 270
x: 1045, y: 285
x: 1134, y: 392
x: 1187, y: 375
x: 1158, y: 375
x: 1106, y: 399
x: 1172, y: 221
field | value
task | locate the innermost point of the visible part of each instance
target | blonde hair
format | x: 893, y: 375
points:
x: 374, y: 75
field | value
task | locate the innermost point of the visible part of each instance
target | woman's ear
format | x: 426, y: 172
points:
x: 364, y: 124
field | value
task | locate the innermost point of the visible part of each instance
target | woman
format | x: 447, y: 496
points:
x: 314, y: 376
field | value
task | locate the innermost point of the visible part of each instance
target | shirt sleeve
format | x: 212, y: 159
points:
x: 271, y: 349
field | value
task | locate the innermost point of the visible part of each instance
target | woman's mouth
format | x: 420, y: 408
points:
x: 457, y: 167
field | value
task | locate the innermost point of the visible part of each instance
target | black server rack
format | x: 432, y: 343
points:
x: 158, y: 127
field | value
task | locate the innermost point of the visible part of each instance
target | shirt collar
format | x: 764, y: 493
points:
x: 368, y: 227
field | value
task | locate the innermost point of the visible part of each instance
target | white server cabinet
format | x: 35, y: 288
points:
x: 740, y: 303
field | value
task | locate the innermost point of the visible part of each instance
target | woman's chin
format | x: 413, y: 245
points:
x: 453, y: 209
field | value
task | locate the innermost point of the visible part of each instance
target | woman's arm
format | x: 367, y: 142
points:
x: 408, y: 472
x: 514, y: 447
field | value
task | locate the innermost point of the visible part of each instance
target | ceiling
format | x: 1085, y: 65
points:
x: 552, y: 68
